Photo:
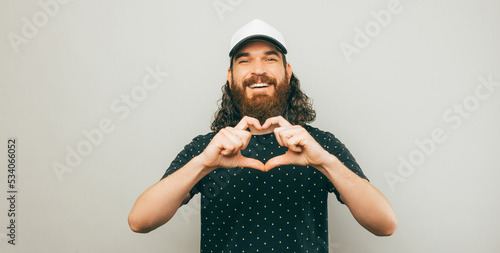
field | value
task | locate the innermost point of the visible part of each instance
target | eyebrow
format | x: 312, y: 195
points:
x: 270, y: 52
x: 273, y: 52
x: 240, y: 55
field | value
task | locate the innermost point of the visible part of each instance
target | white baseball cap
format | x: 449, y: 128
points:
x: 257, y: 29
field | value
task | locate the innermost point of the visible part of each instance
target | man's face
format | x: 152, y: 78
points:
x: 259, y: 81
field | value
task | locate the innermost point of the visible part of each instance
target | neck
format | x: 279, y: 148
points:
x: 254, y: 131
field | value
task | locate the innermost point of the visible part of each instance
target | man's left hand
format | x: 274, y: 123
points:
x: 303, y: 149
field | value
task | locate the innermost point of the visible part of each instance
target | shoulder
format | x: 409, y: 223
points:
x: 325, y: 139
x: 319, y: 134
x: 201, y: 141
x: 204, y: 137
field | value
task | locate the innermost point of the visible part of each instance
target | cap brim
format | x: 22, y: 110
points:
x: 257, y: 37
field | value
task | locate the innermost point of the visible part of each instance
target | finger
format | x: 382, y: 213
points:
x: 295, y: 143
x: 277, y: 134
x: 251, y: 163
x: 242, y: 135
x: 228, y: 143
x: 248, y: 121
x: 283, y: 133
x: 279, y: 120
x: 226, y: 148
x: 277, y: 161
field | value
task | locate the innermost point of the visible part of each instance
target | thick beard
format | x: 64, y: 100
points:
x: 261, y: 106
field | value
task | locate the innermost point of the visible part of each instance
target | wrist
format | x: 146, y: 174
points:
x: 328, y: 162
x: 200, y: 162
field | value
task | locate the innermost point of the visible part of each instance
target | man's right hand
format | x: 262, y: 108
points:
x: 224, y: 151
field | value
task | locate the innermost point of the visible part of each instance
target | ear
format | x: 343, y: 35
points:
x: 288, y: 71
x: 229, y: 76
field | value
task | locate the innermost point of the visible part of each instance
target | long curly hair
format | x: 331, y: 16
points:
x: 298, y: 109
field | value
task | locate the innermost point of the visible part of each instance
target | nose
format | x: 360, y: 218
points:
x: 258, y: 68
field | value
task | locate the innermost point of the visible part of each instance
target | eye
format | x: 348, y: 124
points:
x: 243, y: 61
x: 271, y: 59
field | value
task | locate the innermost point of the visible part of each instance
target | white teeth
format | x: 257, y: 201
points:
x: 259, y: 85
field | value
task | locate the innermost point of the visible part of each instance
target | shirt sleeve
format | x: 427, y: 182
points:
x: 335, y: 147
x: 191, y: 150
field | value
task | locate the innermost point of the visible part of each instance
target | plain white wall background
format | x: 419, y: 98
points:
x: 407, y: 81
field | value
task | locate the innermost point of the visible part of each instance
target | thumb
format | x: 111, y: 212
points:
x: 277, y: 161
x: 251, y: 163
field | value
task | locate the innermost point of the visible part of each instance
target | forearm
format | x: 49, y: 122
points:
x: 368, y: 205
x: 158, y: 204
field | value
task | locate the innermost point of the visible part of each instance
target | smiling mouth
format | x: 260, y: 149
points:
x: 258, y: 85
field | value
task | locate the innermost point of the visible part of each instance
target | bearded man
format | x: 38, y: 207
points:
x: 263, y: 173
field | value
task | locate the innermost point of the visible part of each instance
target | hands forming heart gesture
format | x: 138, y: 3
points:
x: 224, y: 151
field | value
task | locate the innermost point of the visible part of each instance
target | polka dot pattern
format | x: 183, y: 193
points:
x: 247, y: 210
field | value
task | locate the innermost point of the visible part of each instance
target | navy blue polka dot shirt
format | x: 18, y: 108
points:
x: 247, y: 210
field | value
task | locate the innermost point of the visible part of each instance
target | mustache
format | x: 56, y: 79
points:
x: 259, y: 79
